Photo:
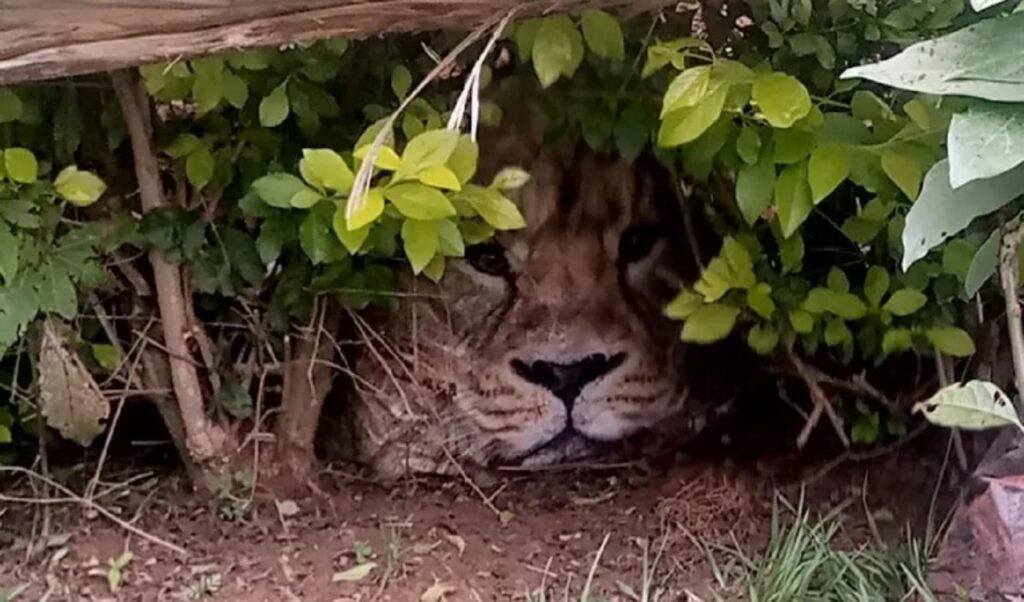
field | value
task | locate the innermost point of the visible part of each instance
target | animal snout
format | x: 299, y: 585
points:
x: 566, y: 380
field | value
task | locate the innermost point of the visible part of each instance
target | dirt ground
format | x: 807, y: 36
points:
x: 447, y: 540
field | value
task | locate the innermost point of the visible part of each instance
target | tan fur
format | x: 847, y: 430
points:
x: 440, y: 386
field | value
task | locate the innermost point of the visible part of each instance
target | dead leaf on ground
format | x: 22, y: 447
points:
x: 356, y: 573
x: 437, y: 592
x: 458, y: 542
x: 69, y: 397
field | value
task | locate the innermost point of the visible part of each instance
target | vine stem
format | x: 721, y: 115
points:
x: 1008, y: 250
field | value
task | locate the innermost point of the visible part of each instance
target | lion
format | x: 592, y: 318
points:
x: 544, y: 345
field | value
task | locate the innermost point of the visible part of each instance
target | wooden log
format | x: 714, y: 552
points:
x: 45, y: 39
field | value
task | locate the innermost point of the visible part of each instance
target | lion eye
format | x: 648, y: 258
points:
x: 489, y: 258
x: 636, y: 242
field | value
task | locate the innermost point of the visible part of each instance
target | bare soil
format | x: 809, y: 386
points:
x: 447, y: 540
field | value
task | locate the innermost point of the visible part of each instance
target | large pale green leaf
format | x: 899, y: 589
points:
x: 80, y: 188
x: 686, y: 90
x: 603, y: 34
x: 278, y: 189
x: 941, y: 211
x: 951, y: 341
x: 21, y: 165
x: 710, y: 323
x: 432, y: 148
x: 328, y: 169
x: 985, y: 60
x: 975, y: 405
x: 552, y: 50
x: 793, y: 198
x: 420, y: 242
x: 905, y: 302
x: 420, y: 202
x: 497, y: 210
x: 984, y: 141
x: 370, y: 209
x: 781, y: 98
x: 686, y: 125
x: 755, y: 185
x: 274, y: 107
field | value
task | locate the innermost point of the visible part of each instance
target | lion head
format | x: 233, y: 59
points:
x: 542, y: 344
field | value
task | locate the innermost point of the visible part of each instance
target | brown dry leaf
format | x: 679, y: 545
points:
x: 458, y: 542
x: 69, y: 397
x: 437, y: 592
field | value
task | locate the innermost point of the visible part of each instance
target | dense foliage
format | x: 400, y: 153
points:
x: 843, y: 221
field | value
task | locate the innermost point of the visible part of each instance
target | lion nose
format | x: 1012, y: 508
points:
x: 567, y: 380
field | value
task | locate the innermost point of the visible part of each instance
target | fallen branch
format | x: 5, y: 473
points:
x: 204, y: 438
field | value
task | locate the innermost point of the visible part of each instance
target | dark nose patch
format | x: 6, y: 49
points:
x: 567, y: 380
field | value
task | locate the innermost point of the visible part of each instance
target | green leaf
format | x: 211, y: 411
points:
x: 793, y: 198
x: 710, y: 323
x: 686, y: 90
x: 432, y: 148
x: 792, y: 145
x: 235, y: 399
x: 80, y: 188
x: 416, y: 201
x: 975, y: 405
x: 801, y: 321
x: 449, y: 239
x: 5, y: 437
x: 199, y: 167
x: 208, y: 90
x: 827, y: 168
x: 435, y: 269
x: 401, y: 81
x: 686, y: 125
x: 274, y: 107
x: 876, y: 285
x: 836, y: 332
x: 236, y: 91
x: 305, y: 198
x: 242, y: 255
x: 420, y: 242
x: 905, y: 302
x: 741, y: 264
x: 182, y: 146
x: 56, y: 292
x: 941, y: 211
x: 275, y: 232
x: 497, y: 210
x: 791, y: 252
x: 983, y: 264
x: 510, y: 178
x: 716, y: 280
x: 755, y: 185
x: 10, y: 255
x: 278, y: 189
x: 957, y: 257
x: 846, y: 305
x: 904, y: 170
x: 865, y: 429
x: 984, y: 141
x: 982, y: 60
x: 603, y: 34
x: 684, y: 304
x: 317, y: 237
x: 352, y: 239
x: 386, y: 158
x: 464, y: 159
x: 837, y: 281
x: 781, y: 98
x: 370, y: 209
x: 748, y: 145
x: 21, y: 165
x: 763, y: 338
x: 441, y: 177
x: 951, y: 341
x: 329, y: 169
x: 552, y: 51
x: 759, y: 298
x: 11, y: 108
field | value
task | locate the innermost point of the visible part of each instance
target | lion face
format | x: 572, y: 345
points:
x: 544, y: 343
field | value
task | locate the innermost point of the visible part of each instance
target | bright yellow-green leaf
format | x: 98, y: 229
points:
x: 419, y: 202
x: 905, y: 302
x: 430, y: 149
x: 686, y: 125
x: 352, y: 239
x: 716, y: 280
x: 305, y: 198
x: 710, y: 323
x: 494, y: 207
x: 763, y: 338
x: 464, y: 158
x: 741, y: 264
x: 21, y: 165
x: 951, y: 341
x: 274, y: 107
x: 876, y: 285
x: 552, y: 52
x: 435, y: 269
x: 837, y: 280
x: 759, y: 298
x: 792, y: 145
x: 793, y: 198
x: 277, y: 189
x: 401, y: 81
x: 236, y: 91
x: 686, y: 90
x: 801, y: 321
x: 684, y: 304
x: 328, y: 168
x: 846, y: 305
x: 107, y: 356
x: 904, y: 170
x: 449, y: 239
x: 80, y: 188
x: 440, y: 176
x: 748, y: 145
x: 896, y: 339
x: 755, y: 186
x: 371, y: 207
x: 836, y: 332
x: 510, y: 178
x: 828, y: 166
x: 387, y: 158
x: 781, y: 98
x: 199, y: 167
x: 420, y: 242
